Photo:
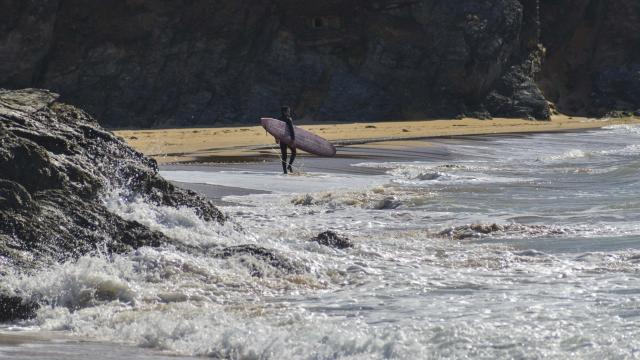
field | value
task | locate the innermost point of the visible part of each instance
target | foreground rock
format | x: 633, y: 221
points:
x: 56, y: 163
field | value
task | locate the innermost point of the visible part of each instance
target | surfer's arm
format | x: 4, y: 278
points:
x: 291, y: 131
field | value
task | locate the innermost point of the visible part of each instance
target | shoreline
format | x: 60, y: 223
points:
x: 45, y: 345
x: 238, y: 144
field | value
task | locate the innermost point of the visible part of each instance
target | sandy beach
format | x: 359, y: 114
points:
x: 251, y: 143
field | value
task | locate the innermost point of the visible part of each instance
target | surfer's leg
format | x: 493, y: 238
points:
x: 293, y: 157
x: 283, y: 156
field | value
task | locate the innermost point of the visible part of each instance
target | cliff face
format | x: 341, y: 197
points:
x: 593, y: 63
x: 201, y: 62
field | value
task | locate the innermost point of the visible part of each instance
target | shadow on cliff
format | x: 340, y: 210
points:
x: 593, y: 47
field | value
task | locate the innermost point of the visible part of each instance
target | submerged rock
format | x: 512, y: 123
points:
x: 263, y: 256
x: 331, y: 239
x: 473, y: 231
x: 56, y: 163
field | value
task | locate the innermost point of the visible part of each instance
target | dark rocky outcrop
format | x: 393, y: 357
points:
x: 517, y: 95
x: 55, y: 165
x: 199, y: 62
x: 331, y: 239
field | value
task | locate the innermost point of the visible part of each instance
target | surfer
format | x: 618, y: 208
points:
x: 288, y: 119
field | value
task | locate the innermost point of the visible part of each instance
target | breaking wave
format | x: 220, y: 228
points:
x: 451, y: 271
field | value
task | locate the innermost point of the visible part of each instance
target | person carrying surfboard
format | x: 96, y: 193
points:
x: 295, y: 138
x: 288, y: 119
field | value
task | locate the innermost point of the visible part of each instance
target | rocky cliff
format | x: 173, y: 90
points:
x: 202, y: 62
x: 56, y: 165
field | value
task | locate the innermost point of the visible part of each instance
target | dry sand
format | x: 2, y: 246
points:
x: 248, y: 143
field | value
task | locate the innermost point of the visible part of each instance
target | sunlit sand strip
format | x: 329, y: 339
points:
x: 251, y: 143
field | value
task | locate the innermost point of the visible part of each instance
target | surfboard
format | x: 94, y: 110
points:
x: 305, y: 140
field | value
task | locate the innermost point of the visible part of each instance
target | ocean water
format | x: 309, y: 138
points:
x: 509, y: 247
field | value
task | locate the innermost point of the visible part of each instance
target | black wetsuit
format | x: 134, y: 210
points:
x: 283, y: 146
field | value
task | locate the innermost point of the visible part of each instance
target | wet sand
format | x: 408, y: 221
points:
x: 242, y: 144
x: 56, y: 346
x: 215, y: 193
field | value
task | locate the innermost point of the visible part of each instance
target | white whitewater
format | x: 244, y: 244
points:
x: 557, y: 277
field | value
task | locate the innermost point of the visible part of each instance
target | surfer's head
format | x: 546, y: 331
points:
x: 286, y: 111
